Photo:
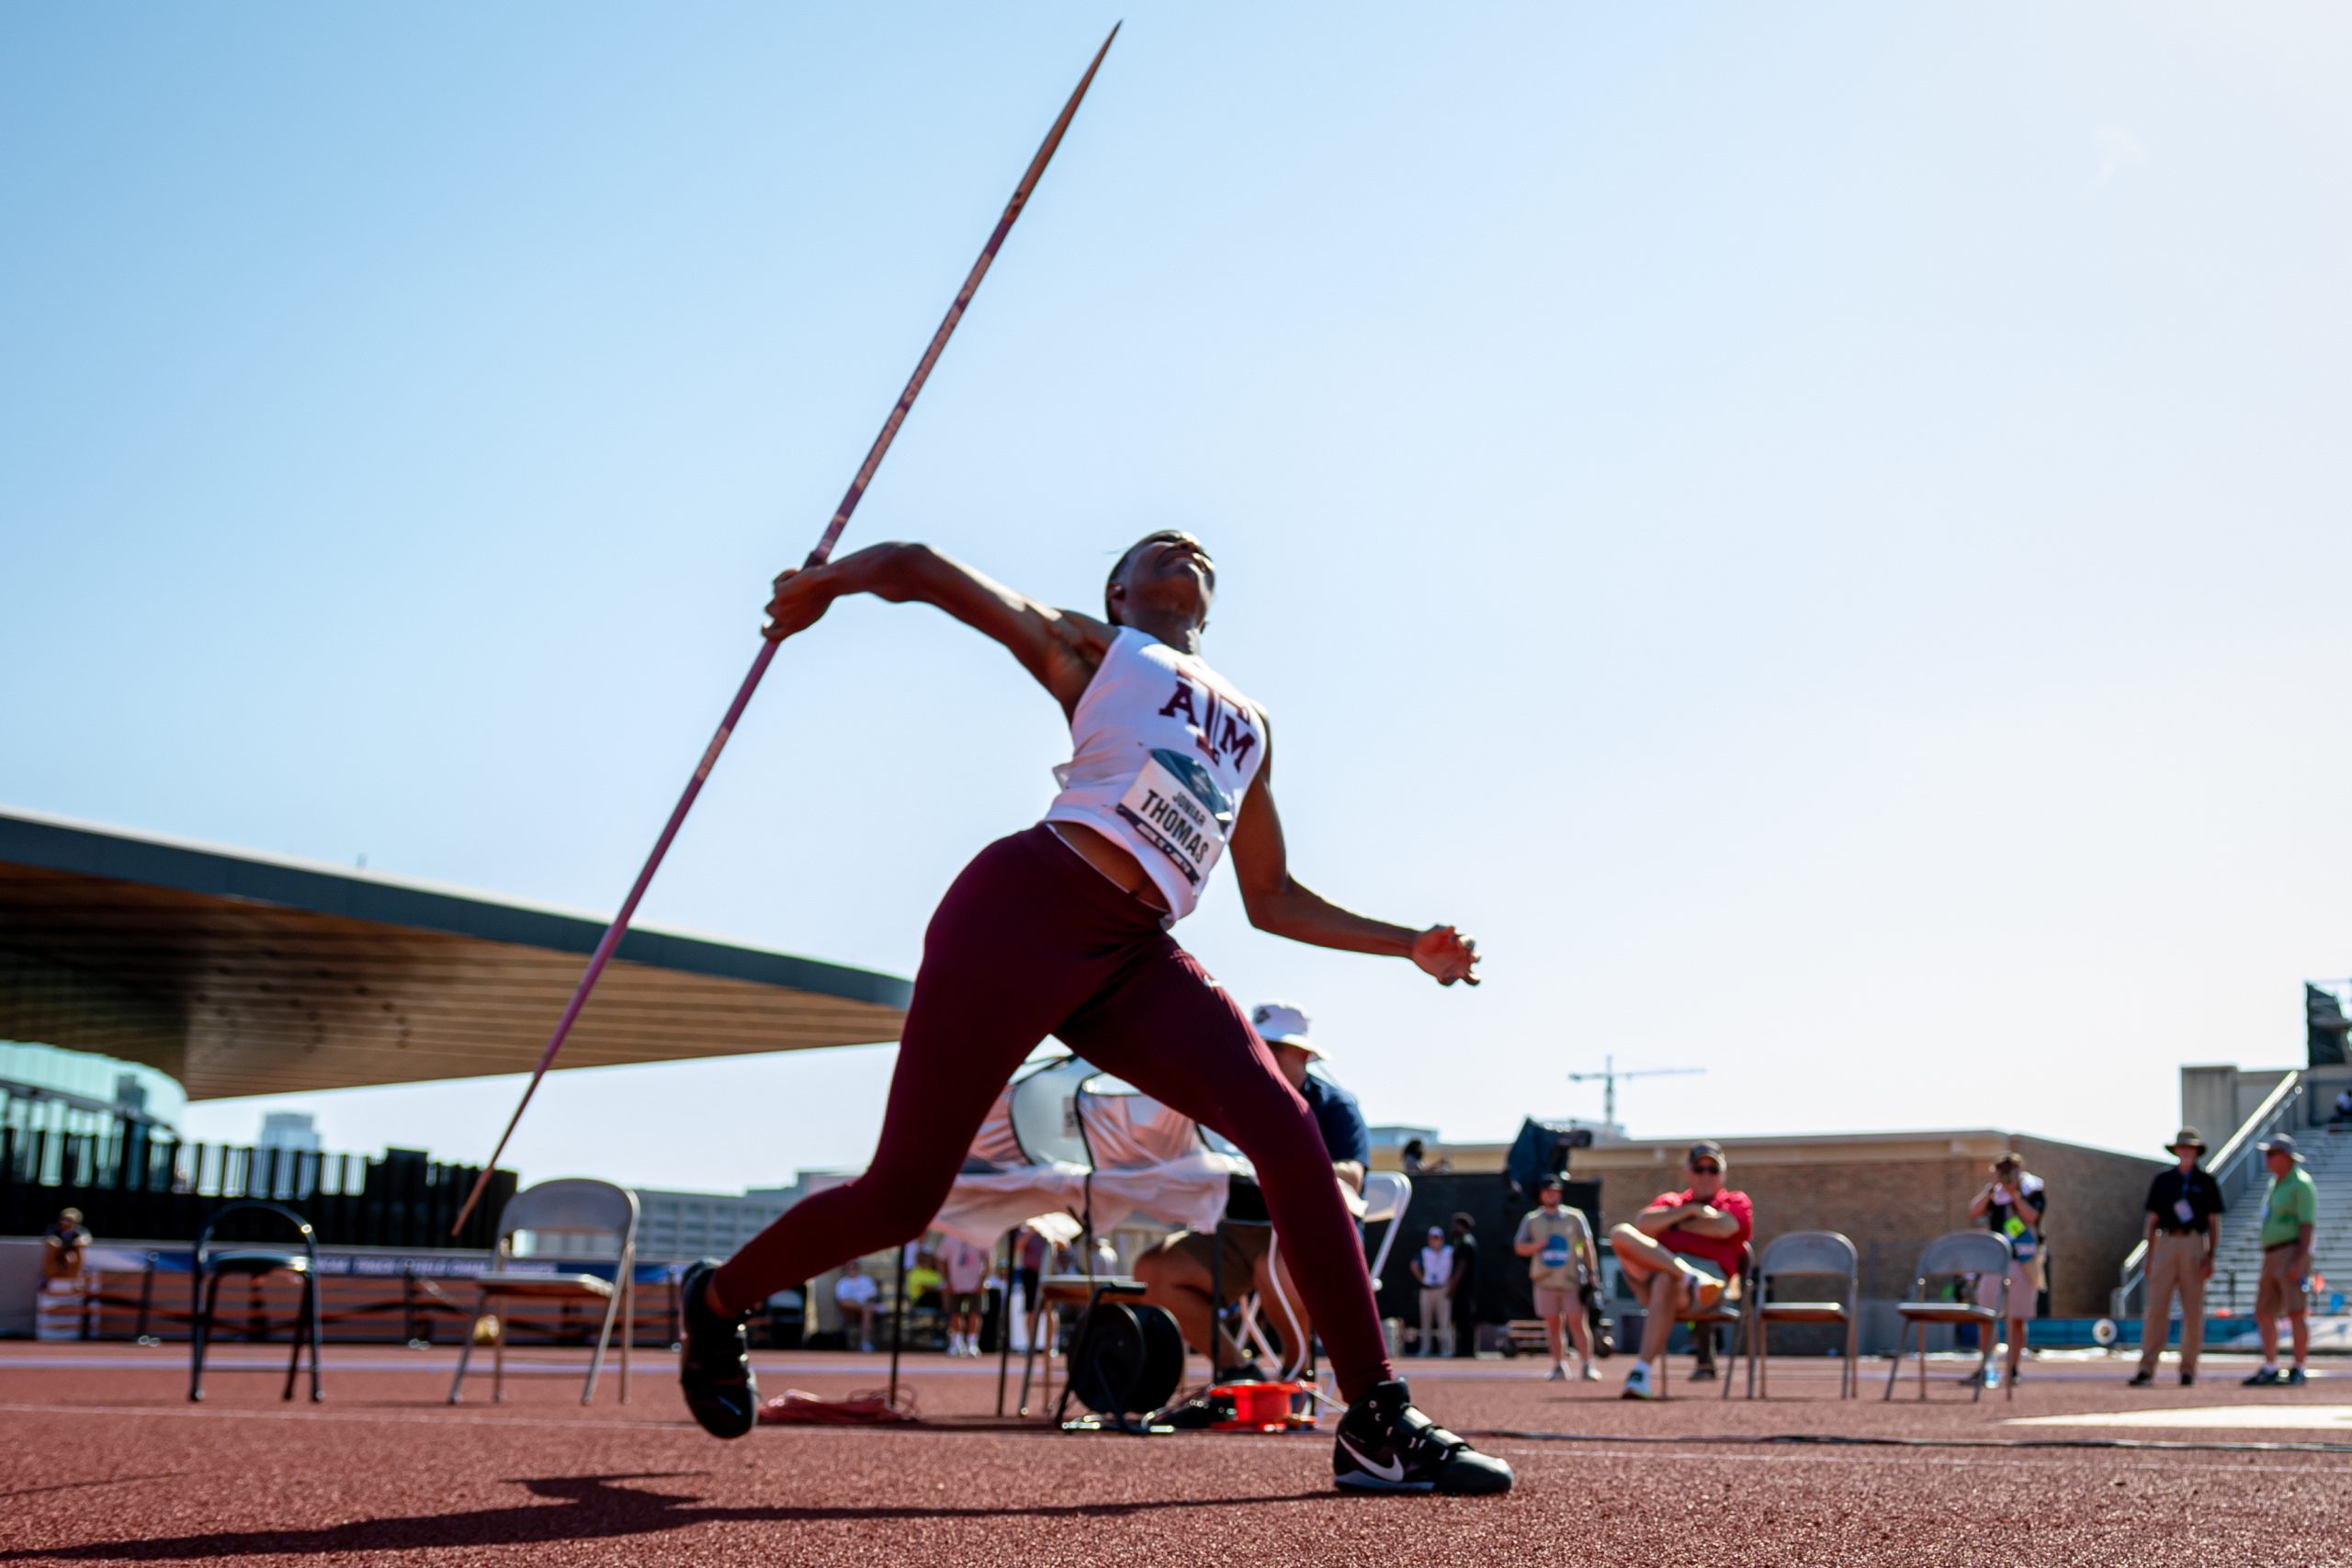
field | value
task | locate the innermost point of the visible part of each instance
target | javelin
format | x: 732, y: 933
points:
x: 818, y: 557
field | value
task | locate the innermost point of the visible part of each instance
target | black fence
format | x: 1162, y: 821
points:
x: 133, y: 1185
x: 1500, y: 1292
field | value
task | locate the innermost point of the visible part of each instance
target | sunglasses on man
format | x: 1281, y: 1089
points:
x: 1708, y: 1169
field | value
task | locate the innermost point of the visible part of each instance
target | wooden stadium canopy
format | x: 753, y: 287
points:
x: 245, y: 974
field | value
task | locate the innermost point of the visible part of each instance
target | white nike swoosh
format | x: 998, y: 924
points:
x: 1393, y: 1472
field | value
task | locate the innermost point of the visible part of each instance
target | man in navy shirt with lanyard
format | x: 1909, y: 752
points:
x: 1177, y: 1273
x: 2184, y: 1231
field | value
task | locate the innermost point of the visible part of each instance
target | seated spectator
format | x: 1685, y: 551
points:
x: 2343, y: 1105
x: 1176, y: 1274
x: 58, y: 1302
x: 62, y: 1247
x: 1682, y: 1255
x: 1564, y: 1264
x: 855, y: 1294
x: 924, y: 1282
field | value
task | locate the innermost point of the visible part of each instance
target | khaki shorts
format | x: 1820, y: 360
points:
x: 2025, y: 1297
x: 1244, y: 1247
x: 2281, y: 1289
x: 1552, y: 1300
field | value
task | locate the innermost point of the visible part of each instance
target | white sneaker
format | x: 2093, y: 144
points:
x: 1592, y: 1372
x: 1637, y: 1385
x: 1559, y: 1372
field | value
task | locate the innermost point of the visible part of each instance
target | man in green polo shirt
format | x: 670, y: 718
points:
x: 2288, y: 1211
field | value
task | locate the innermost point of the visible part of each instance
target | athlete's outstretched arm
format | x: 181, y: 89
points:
x: 1280, y: 903
x: 1061, y: 647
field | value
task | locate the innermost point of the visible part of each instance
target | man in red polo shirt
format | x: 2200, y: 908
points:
x: 1680, y: 1254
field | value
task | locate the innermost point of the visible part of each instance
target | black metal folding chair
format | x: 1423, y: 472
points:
x: 251, y: 1260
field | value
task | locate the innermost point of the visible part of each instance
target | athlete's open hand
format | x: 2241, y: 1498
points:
x: 1446, y: 955
x: 801, y: 600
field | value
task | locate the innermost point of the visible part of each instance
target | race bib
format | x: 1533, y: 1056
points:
x: 1176, y: 807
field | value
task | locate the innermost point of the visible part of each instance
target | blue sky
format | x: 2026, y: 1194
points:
x: 1819, y: 533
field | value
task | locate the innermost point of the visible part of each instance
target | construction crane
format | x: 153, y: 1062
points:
x: 1608, y: 1075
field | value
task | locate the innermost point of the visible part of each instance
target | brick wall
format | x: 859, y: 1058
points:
x: 1895, y: 1192
x: 1891, y: 1210
x: 2097, y: 1207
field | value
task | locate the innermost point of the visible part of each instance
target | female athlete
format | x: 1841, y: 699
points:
x: 1062, y: 930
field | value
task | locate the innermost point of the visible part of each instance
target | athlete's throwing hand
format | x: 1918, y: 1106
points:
x: 1447, y: 955
x: 801, y: 600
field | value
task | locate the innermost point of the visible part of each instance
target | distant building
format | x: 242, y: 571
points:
x: 46, y: 1089
x: 1892, y: 1193
x: 297, y: 1130
x: 677, y: 1228
x: 682, y: 1226
x: 1395, y: 1137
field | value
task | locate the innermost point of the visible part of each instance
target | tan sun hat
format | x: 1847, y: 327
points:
x: 2188, y: 1137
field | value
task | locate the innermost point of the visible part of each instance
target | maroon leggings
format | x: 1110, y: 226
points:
x: 1031, y: 940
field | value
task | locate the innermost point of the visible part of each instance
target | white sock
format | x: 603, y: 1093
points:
x: 2271, y: 1365
x: 1642, y: 1368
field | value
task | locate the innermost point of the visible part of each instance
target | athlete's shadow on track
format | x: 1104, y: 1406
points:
x: 594, y: 1508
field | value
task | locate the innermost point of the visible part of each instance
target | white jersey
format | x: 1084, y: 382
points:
x: 1162, y: 751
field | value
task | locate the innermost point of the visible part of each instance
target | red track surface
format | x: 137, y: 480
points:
x: 102, y: 1460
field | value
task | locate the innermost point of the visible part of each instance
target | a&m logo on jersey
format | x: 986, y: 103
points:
x: 1220, y: 730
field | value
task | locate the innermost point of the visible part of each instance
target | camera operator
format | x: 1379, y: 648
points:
x: 2011, y: 1206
